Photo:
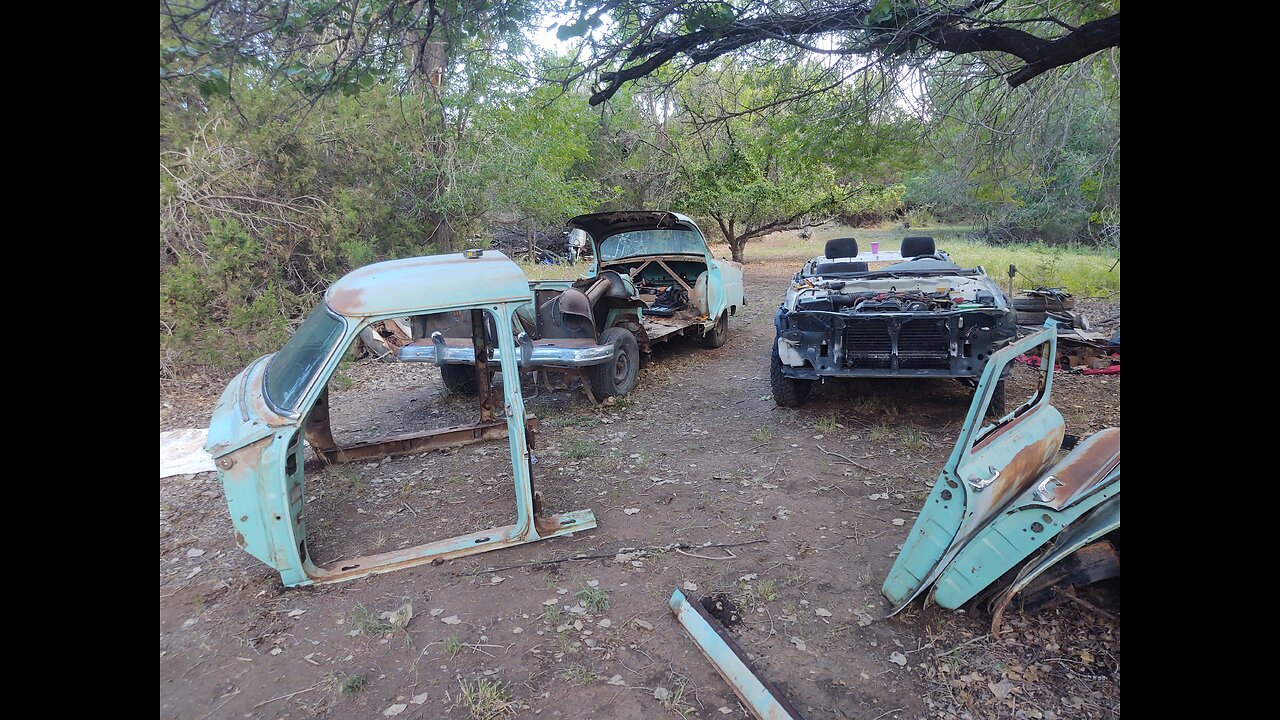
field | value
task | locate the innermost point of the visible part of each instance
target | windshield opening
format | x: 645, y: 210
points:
x: 652, y: 242
x: 293, y: 368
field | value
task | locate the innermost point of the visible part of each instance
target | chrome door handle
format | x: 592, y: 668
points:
x: 1045, y: 493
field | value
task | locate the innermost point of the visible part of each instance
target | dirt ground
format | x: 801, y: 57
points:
x: 698, y: 454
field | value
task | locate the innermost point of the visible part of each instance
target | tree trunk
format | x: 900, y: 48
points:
x: 427, y: 60
x: 735, y: 246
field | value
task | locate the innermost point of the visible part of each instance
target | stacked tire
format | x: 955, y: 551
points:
x: 1032, y: 308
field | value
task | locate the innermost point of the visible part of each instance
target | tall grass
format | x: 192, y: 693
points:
x: 1081, y: 270
x: 1085, y: 271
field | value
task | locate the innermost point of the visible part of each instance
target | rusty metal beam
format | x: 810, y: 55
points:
x: 674, y: 276
x: 411, y: 443
x: 482, y: 366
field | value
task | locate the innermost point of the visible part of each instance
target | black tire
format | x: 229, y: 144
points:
x: 1031, y: 318
x: 1041, y: 303
x: 787, y: 392
x: 459, y: 379
x: 996, y: 408
x: 918, y: 245
x: 617, y: 377
x: 718, y: 334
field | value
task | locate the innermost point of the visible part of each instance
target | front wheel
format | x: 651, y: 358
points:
x: 719, y: 333
x: 787, y: 391
x: 618, y: 376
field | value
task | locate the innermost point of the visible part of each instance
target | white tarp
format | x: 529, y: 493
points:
x: 182, y: 452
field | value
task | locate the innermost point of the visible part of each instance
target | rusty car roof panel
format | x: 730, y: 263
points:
x: 428, y: 283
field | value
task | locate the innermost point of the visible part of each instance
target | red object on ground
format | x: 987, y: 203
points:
x: 1034, y: 361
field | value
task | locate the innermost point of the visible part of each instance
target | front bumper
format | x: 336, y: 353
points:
x: 954, y: 344
x: 442, y: 352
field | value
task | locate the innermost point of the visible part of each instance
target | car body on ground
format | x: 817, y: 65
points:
x: 652, y: 278
x: 257, y: 429
x: 1003, y: 513
x: 876, y: 315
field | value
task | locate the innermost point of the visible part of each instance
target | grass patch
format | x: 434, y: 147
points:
x: 351, y: 477
x: 536, y: 271
x: 367, y: 622
x: 769, y: 590
x: 1083, y: 270
x: 580, y: 449
x: 676, y: 703
x: 486, y: 699
x: 566, y: 645
x: 595, y: 599
x: 879, y: 433
x: 826, y: 423
x: 763, y: 434
x: 553, y: 614
x: 914, y: 439
x: 352, y: 686
x: 579, y: 675
x: 341, y: 381
x: 452, y: 646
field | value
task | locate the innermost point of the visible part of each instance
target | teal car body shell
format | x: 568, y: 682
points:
x: 257, y: 445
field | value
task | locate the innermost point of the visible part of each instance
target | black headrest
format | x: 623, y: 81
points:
x: 840, y: 267
x: 919, y: 245
x: 842, y: 248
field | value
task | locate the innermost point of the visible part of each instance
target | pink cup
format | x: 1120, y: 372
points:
x: 875, y: 248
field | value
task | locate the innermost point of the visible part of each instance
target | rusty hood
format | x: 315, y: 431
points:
x: 603, y: 224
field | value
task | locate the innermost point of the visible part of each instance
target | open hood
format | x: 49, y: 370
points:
x: 602, y: 225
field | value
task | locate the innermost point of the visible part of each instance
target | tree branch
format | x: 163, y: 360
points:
x: 959, y: 32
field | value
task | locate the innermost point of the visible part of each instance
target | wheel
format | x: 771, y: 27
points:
x: 718, y: 334
x: 617, y: 377
x: 787, y: 391
x: 459, y: 379
x: 996, y: 409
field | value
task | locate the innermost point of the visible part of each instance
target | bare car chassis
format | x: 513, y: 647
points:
x: 256, y: 432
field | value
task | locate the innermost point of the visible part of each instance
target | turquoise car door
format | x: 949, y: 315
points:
x: 991, y: 464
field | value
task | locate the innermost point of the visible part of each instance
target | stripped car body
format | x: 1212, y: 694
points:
x: 1000, y: 497
x: 857, y: 315
x: 640, y: 259
x: 256, y: 432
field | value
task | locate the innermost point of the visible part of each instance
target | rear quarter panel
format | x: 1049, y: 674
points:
x: 726, y: 285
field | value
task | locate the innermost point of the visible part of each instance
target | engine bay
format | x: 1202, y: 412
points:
x: 894, y: 295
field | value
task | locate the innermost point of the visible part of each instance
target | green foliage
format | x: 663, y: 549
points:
x: 763, y: 165
x: 288, y: 159
x: 1043, y: 167
x: 260, y: 210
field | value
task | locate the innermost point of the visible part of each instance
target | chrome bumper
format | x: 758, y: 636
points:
x: 531, y: 356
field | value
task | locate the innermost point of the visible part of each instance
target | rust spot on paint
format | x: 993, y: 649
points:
x: 347, y: 301
x: 1086, y: 465
x: 546, y: 524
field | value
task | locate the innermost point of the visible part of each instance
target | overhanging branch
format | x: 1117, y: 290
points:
x: 959, y: 33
